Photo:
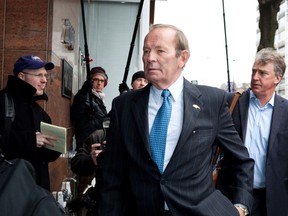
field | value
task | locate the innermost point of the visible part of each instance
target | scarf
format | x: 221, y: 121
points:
x: 100, y: 95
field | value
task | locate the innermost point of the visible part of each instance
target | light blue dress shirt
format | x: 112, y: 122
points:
x: 257, y: 136
x: 176, y: 120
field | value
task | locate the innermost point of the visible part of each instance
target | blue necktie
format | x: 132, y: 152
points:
x: 159, y: 129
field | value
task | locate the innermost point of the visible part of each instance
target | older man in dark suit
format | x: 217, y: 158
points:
x: 181, y: 183
x: 261, y: 118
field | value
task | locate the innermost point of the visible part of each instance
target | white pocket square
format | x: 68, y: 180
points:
x: 196, y: 106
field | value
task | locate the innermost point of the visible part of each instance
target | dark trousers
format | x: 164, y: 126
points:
x: 259, y: 206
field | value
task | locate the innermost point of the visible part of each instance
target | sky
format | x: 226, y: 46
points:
x: 203, y: 24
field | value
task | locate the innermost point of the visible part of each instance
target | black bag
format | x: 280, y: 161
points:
x: 19, y: 193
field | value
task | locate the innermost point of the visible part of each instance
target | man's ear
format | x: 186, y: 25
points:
x: 278, y: 80
x: 184, y: 58
x: 21, y: 75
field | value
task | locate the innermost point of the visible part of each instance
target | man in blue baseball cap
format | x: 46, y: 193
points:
x: 33, y: 70
x: 23, y: 139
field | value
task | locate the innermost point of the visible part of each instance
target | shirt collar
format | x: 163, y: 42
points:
x: 271, y: 101
x: 175, y: 89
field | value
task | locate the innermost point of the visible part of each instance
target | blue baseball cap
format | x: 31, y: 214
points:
x: 31, y: 62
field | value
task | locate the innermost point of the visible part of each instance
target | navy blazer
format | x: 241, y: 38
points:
x: 277, y: 155
x: 186, y: 184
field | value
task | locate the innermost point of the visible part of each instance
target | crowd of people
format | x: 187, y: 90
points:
x: 151, y: 153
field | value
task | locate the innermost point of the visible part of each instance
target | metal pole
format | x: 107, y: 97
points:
x: 87, y: 56
x: 226, y: 48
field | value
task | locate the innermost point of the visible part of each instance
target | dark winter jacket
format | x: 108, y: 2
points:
x: 20, y: 141
x: 20, y: 195
x: 86, y: 120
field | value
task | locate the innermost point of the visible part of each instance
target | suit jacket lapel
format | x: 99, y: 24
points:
x: 140, y: 112
x: 276, y: 118
x: 192, y: 108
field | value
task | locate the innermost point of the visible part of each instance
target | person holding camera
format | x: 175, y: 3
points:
x: 86, y: 161
x: 87, y: 165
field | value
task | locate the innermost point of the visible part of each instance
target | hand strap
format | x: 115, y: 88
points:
x: 235, y: 99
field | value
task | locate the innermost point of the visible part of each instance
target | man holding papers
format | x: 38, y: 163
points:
x: 24, y: 138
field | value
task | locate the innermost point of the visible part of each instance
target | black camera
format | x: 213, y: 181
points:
x: 105, y: 124
x: 102, y: 147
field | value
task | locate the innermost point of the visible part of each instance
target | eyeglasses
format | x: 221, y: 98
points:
x: 98, y: 80
x: 39, y: 76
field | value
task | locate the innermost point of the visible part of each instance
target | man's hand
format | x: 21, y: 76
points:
x: 87, y: 85
x: 123, y: 87
x: 95, y: 151
x: 240, y: 210
x: 43, y: 139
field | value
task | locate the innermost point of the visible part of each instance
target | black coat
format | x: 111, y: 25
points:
x: 86, y: 121
x: 20, y: 141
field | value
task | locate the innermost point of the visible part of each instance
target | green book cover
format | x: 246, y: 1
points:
x: 56, y: 131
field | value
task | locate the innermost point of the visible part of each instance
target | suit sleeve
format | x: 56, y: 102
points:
x: 112, y: 192
x: 236, y: 175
